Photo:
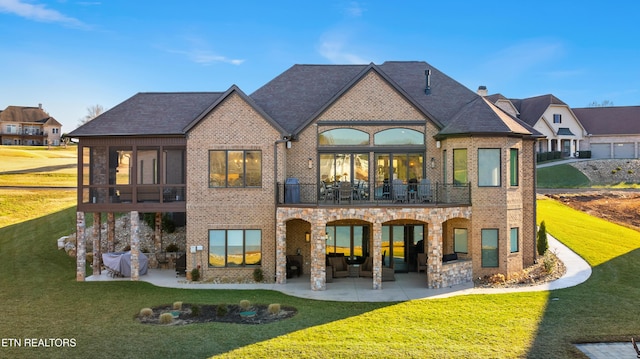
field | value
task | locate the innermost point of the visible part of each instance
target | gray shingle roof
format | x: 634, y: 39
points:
x: 624, y: 120
x: 297, y: 96
x: 532, y: 108
x: 147, y: 114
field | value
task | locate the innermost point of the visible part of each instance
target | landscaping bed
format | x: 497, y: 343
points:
x: 207, y: 313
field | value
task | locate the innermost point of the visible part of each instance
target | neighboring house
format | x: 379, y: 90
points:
x: 562, y: 130
x: 28, y: 126
x: 612, y: 132
x: 375, y: 163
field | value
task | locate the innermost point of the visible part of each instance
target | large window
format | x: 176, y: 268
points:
x: 398, y: 136
x: 343, y: 137
x: 460, y: 176
x: 489, y: 167
x: 490, y: 248
x: 235, y: 168
x: 344, y: 167
x: 460, y: 240
x: 403, y: 166
x: 513, y: 240
x: 235, y: 247
x: 513, y: 167
x: 352, y: 241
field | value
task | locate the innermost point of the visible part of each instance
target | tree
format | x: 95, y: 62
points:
x: 605, y: 103
x: 542, y: 244
x: 92, y: 112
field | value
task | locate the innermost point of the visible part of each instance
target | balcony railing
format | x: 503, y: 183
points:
x: 382, y: 194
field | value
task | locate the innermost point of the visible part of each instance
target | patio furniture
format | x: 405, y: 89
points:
x: 635, y: 347
x: 424, y: 191
x: 294, y: 265
x: 345, y: 192
x: 118, y: 264
x: 340, y: 267
x: 181, y: 265
x: 422, y: 262
x: 326, y: 192
x: 399, y: 191
x: 366, y: 269
x: 388, y: 274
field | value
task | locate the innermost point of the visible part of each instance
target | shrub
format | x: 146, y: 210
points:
x: 497, y: 278
x: 177, y: 305
x: 222, y: 310
x: 195, y: 274
x: 630, y: 172
x: 146, y: 312
x: 258, y: 276
x: 274, y: 308
x: 195, y: 310
x: 549, y: 262
x: 613, y: 172
x: 245, y: 304
x: 542, y: 244
x: 172, y: 248
x: 166, y: 318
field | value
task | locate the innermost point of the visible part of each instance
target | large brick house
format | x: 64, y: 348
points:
x: 28, y: 126
x: 379, y: 164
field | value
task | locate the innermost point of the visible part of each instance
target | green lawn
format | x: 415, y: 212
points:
x: 561, y: 176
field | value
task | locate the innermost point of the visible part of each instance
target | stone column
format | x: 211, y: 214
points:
x: 97, y: 226
x: 377, y: 255
x: 111, y: 232
x: 157, y: 241
x: 318, y: 252
x: 81, y: 250
x: 434, y: 256
x: 281, y: 251
x: 135, y: 246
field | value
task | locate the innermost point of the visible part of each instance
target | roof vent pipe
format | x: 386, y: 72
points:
x: 427, y: 74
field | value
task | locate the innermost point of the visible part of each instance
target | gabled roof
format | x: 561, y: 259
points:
x: 27, y: 114
x: 531, y: 109
x: 624, y: 120
x: 301, y: 93
x: 234, y: 89
x: 145, y: 114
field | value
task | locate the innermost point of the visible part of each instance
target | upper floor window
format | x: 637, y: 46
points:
x: 513, y: 166
x: 398, y: 136
x: 557, y: 118
x: 235, y: 168
x: 460, y: 176
x: 343, y: 136
x: 489, y: 167
x: 12, y: 129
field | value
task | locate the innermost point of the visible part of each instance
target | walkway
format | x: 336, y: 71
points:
x: 407, y: 286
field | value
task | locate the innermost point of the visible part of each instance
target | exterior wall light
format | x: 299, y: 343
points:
x: 310, y: 163
x: 433, y: 162
x: 307, y: 237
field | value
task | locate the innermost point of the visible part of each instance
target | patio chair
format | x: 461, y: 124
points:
x: 399, y: 191
x: 181, y: 265
x: 326, y: 193
x: 424, y: 191
x: 345, y: 192
x: 635, y: 346
x: 340, y: 267
x: 366, y: 269
x: 422, y: 262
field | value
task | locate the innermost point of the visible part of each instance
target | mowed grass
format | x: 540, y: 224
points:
x: 38, y: 166
x: 561, y: 176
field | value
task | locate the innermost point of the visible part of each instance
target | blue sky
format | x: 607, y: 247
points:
x: 70, y: 55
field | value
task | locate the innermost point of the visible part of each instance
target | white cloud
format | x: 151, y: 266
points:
x: 37, y: 12
x: 354, y: 9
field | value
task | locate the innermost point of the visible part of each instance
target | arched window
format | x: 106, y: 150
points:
x: 343, y: 136
x: 398, y: 136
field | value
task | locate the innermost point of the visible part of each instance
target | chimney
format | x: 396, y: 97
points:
x: 482, y: 90
x: 427, y: 88
x: 40, y: 106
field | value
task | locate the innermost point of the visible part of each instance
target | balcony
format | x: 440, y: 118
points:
x: 381, y: 194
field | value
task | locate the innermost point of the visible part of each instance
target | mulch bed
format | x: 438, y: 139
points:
x: 207, y: 313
